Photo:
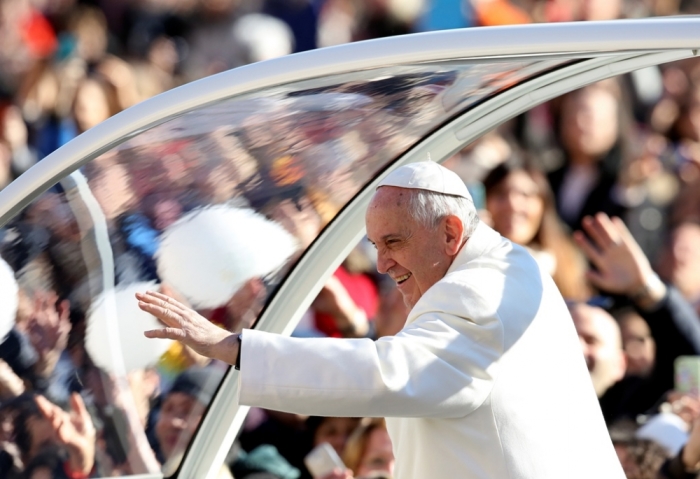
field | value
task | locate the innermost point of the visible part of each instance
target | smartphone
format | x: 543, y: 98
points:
x: 322, y: 460
x: 687, y: 375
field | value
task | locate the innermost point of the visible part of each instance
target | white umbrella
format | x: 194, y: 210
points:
x: 211, y: 252
x: 114, y: 337
x: 8, y: 298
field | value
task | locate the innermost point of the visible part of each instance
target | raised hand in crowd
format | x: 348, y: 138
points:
x: 686, y: 464
x: 335, y: 300
x: 74, y: 429
x: 621, y: 266
x: 690, y: 455
x: 11, y: 385
x: 48, y: 328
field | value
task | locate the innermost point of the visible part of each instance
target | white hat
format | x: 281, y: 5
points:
x: 427, y: 175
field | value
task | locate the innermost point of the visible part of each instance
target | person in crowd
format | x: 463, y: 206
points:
x: 36, y: 347
x: 622, y: 269
x: 601, y: 343
x: 521, y: 207
x: 640, y: 458
x: 52, y: 441
x: 454, y: 383
x: 142, y: 230
x: 181, y: 410
x: 369, y: 449
x: 333, y: 430
x: 346, y: 304
x: 679, y: 261
x: 591, y: 131
x: 295, y: 436
x: 686, y: 464
x: 637, y: 342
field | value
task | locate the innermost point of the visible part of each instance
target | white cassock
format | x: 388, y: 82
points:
x: 485, y: 380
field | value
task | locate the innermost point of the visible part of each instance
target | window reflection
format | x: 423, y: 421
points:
x: 291, y: 157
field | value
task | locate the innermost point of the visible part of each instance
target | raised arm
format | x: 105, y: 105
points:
x: 622, y: 268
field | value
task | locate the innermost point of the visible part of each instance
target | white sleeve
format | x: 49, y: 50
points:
x: 439, y: 365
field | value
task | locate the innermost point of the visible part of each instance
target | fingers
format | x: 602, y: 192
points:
x: 78, y: 406
x: 602, y: 231
x: 588, y: 249
x: 169, y: 314
x: 623, y: 231
x: 165, y: 333
x: 595, y: 278
x: 162, y: 300
x: 46, y: 407
x: 166, y: 316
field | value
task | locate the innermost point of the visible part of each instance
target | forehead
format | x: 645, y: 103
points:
x: 518, y: 179
x: 178, y: 400
x: 388, y: 212
x: 390, y: 197
x: 593, y: 322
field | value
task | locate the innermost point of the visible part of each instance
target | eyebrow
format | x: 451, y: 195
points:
x: 386, y: 237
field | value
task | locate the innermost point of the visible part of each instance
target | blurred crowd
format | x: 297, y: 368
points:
x: 602, y: 186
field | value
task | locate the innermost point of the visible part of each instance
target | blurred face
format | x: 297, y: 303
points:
x: 601, y: 345
x: 685, y: 259
x: 335, y: 431
x: 638, y: 344
x: 177, y: 421
x: 595, y: 10
x: 91, y: 105
x: 378, y: 455
x: 166, y: 213
x: 516, y: 207
x: 414, y: 256
x: 589, y: 123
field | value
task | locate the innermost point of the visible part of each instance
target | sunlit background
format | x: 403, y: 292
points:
x: 216, y: 206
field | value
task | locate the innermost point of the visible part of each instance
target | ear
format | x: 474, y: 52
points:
x: 453, y: 229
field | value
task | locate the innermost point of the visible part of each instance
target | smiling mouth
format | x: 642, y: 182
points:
x: 403, y: 279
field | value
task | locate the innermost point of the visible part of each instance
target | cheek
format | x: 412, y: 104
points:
x: 496, y: 206
x: 535, y: 211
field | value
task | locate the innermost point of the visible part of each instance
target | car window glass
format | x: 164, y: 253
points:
x: 214, y: 207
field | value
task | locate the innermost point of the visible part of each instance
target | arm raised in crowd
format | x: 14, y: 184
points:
x: 622, y: 268
x: 73, y: 429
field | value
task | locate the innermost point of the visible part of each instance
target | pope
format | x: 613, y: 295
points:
x: 486, y: 378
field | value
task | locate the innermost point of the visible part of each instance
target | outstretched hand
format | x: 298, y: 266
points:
x: 187, y: 326
x: 622, y: 267
x: 74, y: 429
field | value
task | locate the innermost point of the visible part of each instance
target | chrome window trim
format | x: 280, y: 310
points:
x: 333, y: 245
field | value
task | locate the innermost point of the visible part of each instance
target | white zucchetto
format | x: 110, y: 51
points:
x: 427, y: 175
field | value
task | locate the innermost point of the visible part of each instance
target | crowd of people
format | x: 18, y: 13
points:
x: 601, y: 186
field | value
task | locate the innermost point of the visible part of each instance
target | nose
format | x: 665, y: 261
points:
x: 384, y: 262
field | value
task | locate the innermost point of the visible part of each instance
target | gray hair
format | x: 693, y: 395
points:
x: 429, y: 208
